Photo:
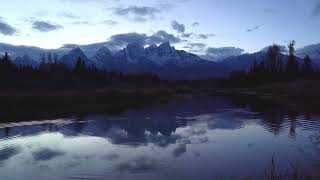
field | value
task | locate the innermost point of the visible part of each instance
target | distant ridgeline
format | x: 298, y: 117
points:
x: 164, y: 61
x: 152, y: 64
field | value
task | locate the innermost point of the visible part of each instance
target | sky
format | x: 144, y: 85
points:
x: 199, y: 26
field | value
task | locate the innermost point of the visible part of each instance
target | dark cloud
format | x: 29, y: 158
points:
x: 120, y: 40
x: 205, y: 36
x: 162, y: 36
x: 124, y: 39
x: 6, y: 29
x: 7, y: 153
x: 46, y: 154
x: 181, y: 149
x: 195, y: 24
x: 44, y: 26
x: 180, y: 28
x: 218, y: 54
x: 71, y: 46
x: 137, y: 13
x: 187, y: 35
x: 253, y: 29
x: 197, y: 36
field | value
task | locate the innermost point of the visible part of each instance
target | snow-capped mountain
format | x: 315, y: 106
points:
x: 312, y: 50
x: 163, y: 60
x: 25, y: 60
x: 245, y: 61
x: 71, y: 58
x: 101, y: 57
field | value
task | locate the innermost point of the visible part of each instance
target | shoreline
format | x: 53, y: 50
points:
x: 55, y: 103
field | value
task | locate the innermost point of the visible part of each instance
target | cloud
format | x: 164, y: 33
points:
x: 197, y: 36
x: 68, y: 15
x: 195, y: 24
x: 162, y: 36
x: 138, y: 165
x: 6, y: 29
x: 44, y: 26
x: 46, y: 154
x: 181, y: 149
x: 121, y: 40
x: 7, y: 153
x: 180, y: 28
x: 218, y: 54
x: 253, y: 29
x: 81, y: 23
x: 138, y: 13
x: 109, y: 22
x: 195, y: 47
x: 205, y: 36
x: 187, y: 35
x: 124, y: 39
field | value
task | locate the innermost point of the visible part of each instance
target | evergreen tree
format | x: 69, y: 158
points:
x: 5, y: 64
x: 50, y: 61
x: 80, y: 65
x: 55, y: 58
x: 272, y: 61
x: 292, y: 67
x: 307, y: 66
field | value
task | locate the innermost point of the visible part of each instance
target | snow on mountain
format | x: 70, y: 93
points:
x: 25, y: 61
x: 245, y: 61
x: 163, y: 60
x: 71, y: 58
x: 312, y: 50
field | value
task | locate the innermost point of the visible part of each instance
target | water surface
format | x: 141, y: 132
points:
x: 196, y: 137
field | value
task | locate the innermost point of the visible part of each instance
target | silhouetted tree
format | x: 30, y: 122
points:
x: 307, y: 66
x: 50, y: 61
x: 80, y: 65
x: 55, y: 58
x: 272, y: 61
x: 292, y: 67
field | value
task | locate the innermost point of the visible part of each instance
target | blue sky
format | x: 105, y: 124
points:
x: 194, y: 25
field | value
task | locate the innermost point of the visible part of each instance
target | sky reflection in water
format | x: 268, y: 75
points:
x: 192, y: 138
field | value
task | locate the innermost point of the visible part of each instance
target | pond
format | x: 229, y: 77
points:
x: 192, y: 137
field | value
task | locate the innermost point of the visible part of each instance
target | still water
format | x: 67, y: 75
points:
x: 194, y: 138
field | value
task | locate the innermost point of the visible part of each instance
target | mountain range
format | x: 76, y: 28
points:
x: 163, y: 60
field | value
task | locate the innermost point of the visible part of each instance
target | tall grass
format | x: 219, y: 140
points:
x: 293, y: 173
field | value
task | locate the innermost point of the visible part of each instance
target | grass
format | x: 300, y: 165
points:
x: 293, y: 173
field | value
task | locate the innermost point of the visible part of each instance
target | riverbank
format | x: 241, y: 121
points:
x: 302, y: 95
x: 42, y: 104
x: 53, y: 104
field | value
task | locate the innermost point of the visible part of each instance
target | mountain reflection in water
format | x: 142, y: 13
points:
x: 195, y: 137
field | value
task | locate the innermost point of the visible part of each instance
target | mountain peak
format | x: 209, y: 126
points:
x: 77, y: 52
x: 102, y: 54
x: 165, y: 45
x: 77, y: 49
x: 104, y: 50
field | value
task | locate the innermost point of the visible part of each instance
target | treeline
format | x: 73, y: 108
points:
x: 275, y: 68
x: 51, y: 74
